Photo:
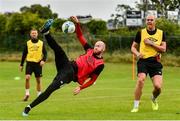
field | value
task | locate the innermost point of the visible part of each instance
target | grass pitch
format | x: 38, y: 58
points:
x: 111, y: 98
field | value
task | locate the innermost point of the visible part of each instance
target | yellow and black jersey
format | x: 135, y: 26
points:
x: 157, y: 36
x: 34, y: 51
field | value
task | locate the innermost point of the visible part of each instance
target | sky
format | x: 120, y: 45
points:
x: 65, y: 8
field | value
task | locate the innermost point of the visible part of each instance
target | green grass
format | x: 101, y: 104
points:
x: 111, y: 98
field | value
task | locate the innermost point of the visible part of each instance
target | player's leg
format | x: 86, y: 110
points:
x: 155, y: 72
x: 139, y: 86
x: 157, y: 83
x: 27, y: 87
x: 142, y: 72
x: 63, y: 77
x: 138, y: 91
x: 61, y: 58
x: 27, y: 81
x: 43, y: 96
x: 38, y: 75
x: 38, y: 86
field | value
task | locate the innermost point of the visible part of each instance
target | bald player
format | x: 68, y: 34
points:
x: 148, y: 46
x: 84, y: 70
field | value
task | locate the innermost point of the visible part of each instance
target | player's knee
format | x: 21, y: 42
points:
x: 54, y: 86
x: 141, y: 82
x: 157, y: 87
x: 28, y: 77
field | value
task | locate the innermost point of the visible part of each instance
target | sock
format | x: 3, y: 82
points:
x: 29, y: 106
x: 27, y: 92
x: 38, y: 93
x: 46, y: 33
x: 136, y: 103
x: 153, y: 98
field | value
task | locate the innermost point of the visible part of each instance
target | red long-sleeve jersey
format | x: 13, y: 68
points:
x: 89, y: 66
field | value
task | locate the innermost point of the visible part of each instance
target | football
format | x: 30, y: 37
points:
x: 68, y: 27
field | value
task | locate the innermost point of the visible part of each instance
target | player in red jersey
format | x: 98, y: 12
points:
x: 84, y: 70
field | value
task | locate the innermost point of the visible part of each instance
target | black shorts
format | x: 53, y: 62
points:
x: 34, y: 67
x: 149, y: 66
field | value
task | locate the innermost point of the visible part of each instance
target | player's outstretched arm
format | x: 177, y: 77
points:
x: 85, y: 85
x: 79, y: 34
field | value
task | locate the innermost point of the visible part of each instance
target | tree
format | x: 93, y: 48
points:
x: 169, y: 27
x: 161, y: 5
x: 18, y: 27
x: 42, y: 11
x: 97, y: 27
x: 118, y: 18
x: 167, y: 4
x: 3, y: 21
x: 31, y: 21
x: 14, y: 24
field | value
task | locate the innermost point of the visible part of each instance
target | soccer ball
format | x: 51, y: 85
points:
x: 68, y: 27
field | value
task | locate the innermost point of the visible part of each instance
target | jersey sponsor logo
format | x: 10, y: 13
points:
x: 34, y: 48
x: 152, y: 39
x: 90, y: 60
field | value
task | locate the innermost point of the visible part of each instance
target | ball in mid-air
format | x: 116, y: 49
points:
x: 68, y: 27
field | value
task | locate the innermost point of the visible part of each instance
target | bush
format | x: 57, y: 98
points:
x: 169, y: 27
x: 173, y: 45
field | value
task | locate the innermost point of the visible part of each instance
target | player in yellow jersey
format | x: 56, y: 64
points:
x: 148, y: 46
x: 35, y: 55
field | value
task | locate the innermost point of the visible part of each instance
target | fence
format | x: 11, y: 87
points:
x: 70, y: 43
